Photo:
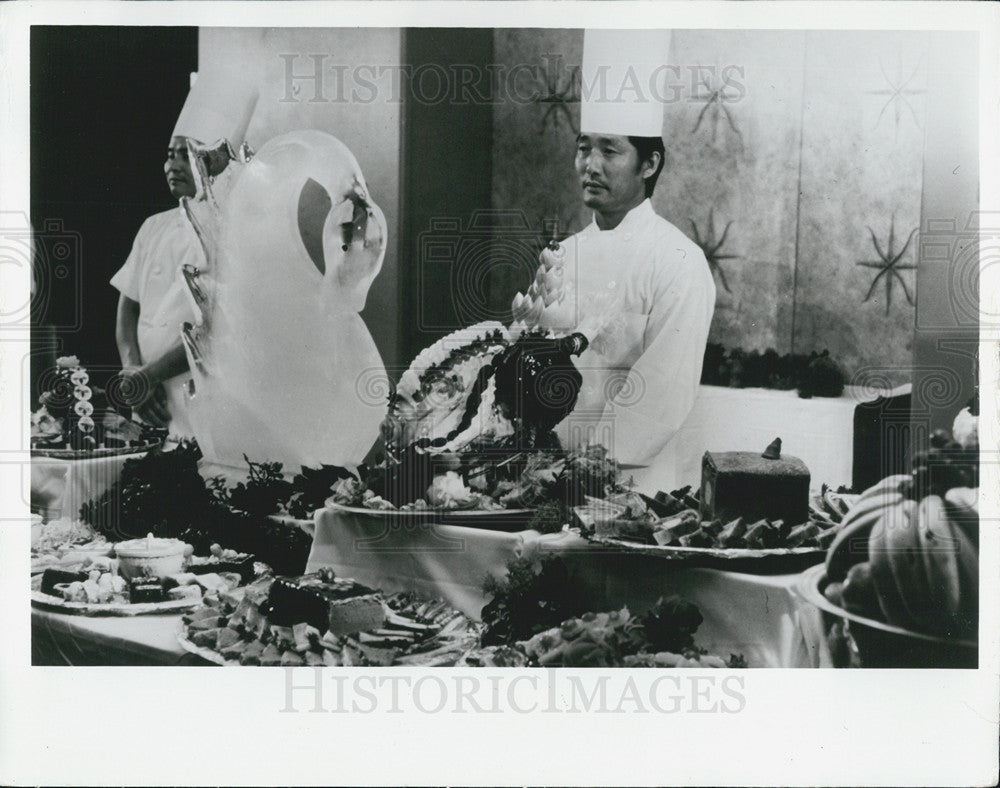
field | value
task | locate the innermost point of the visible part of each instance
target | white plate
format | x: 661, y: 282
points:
x: 489, y: 519
x: 121, y: 609
x: 68, y: 557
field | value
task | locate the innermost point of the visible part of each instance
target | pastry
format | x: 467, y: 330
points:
x: 749, y: 485
x: 145, y: 589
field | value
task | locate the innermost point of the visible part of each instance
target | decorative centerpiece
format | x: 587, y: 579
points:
x: 904, y: 569
x: 283, y: 367
x: 76, y: 419
x: 483, y: 398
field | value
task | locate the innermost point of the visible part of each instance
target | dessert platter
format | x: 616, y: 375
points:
x: 320, y: 619
x: 901, y: 578
x: 136, y: 577
x: 76, y: 420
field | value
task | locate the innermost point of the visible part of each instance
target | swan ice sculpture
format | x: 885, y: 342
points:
x: 283, y: 368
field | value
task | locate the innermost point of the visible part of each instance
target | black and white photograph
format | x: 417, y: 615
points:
x: 378, y: 369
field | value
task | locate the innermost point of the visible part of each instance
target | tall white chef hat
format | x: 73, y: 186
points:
x: 219, y: 106
x: 624, y: 76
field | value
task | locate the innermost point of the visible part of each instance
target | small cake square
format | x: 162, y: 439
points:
x: 748, y: 485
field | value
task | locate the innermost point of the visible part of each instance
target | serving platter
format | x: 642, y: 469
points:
x: 67, y: 559
x: 775, y: 560
x: 93, y: 454
x: 207, y: 654
x: 457, y: 636
x: 120, y: 609
x: 509, y: 520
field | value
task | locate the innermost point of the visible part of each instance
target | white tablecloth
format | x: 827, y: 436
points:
x: 819, y: 431
x: 60, y: 639
x: 60, y: 487
x: 758, y: 616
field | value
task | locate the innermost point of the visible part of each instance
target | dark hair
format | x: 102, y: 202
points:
x: 647, y: 146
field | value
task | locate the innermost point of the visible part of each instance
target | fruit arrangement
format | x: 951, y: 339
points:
x: 535, y: 618
x: 908, y: 550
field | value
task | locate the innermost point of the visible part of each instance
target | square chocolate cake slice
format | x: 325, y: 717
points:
x: 748, y: 485
x: 339, y: 605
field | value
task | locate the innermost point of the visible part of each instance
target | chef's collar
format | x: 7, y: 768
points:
x: 630, y: 222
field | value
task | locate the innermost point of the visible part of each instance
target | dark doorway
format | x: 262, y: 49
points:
x: 447, y: 185
x: 103, y: 103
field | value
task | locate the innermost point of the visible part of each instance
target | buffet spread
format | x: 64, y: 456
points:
x: 467, y: 440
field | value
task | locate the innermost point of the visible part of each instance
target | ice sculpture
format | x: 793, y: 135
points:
x: 282, y: 365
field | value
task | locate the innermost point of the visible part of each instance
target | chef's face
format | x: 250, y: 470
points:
x: 178, y: 169
x: 610, y: 172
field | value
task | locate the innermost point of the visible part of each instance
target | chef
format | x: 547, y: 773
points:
x: 153, y: 305
x: 642, y: 290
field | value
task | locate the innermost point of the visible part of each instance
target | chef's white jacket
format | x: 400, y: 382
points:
x: 642, y: 370
x: 151, y: 276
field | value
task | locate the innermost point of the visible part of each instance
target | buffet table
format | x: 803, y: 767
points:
x: 759, y: 616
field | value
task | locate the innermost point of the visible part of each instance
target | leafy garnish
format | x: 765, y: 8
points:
x: 534, y: 596
x: 671, y: 623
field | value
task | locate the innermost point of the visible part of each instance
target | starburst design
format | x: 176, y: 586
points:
x: 713, y: 91
x: 559, y: 93
x: 712, y: 247
x: 889, y: 265
x: 897, y: 91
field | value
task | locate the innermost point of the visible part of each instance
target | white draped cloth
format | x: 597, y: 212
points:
x: 759, y: 616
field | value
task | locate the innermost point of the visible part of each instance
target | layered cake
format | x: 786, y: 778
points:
x: 754, y: 486
x: 337, y: 605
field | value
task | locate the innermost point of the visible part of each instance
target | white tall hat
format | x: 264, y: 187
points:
x: 624, y: 76
x: 219, y: 106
